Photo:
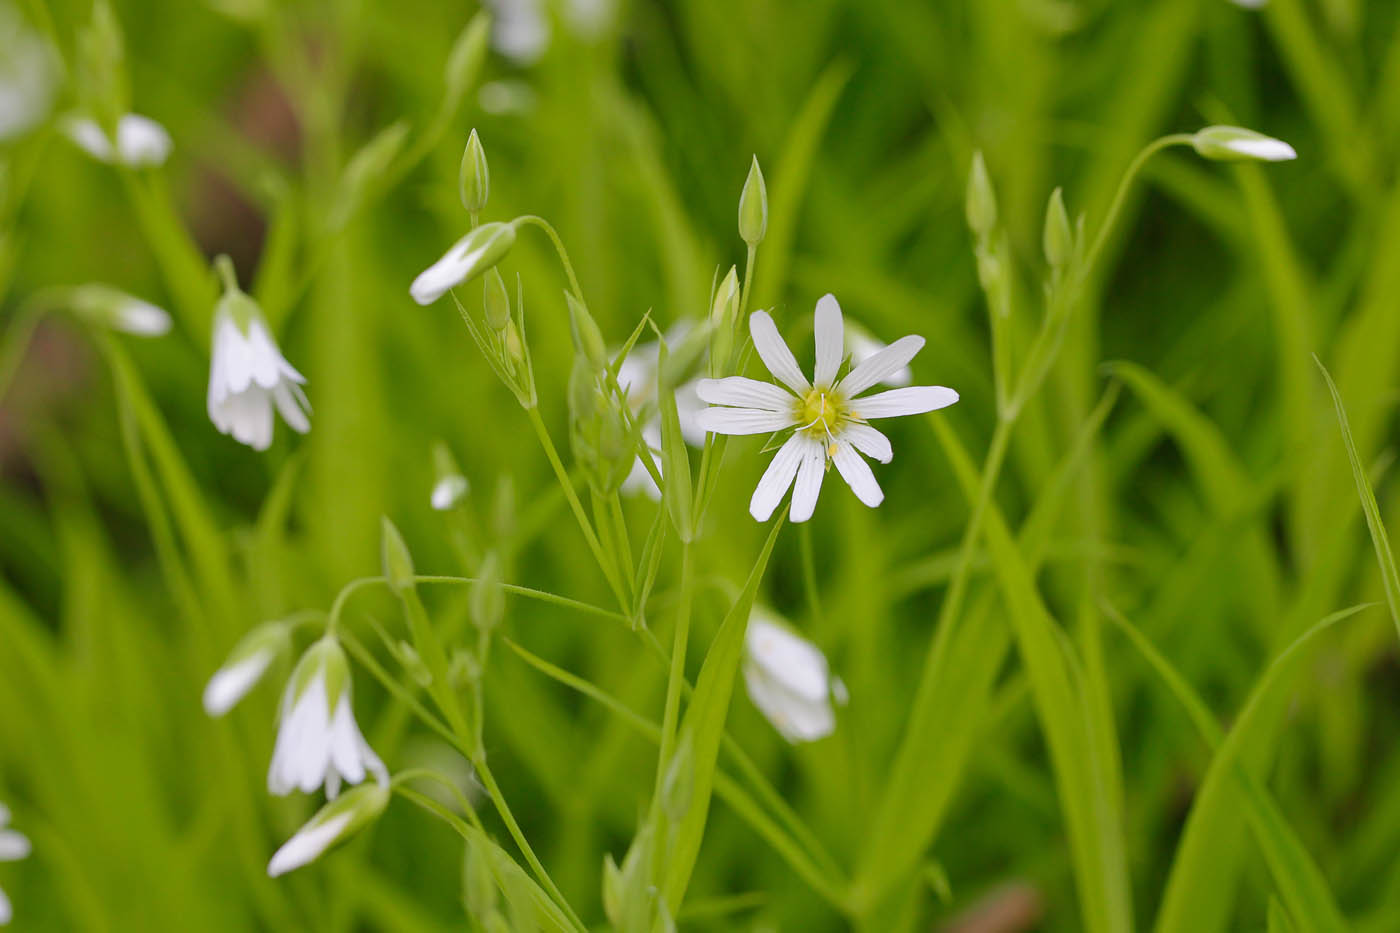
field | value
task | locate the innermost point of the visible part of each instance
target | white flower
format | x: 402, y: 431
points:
x: 248, y: 375
x: 470, y: 256
x: 246, y: 665
x: 1235, y: 143
x: 520, y: 29
x: 639, y: 378
x: 505, y: 97
x: 13, y: 846
x: 1250, y: 4
x: 788, y: 680
x: 862, y: 346
x: 449, y: 485
x: 333, y: 823
x: 318, y: 740
x: 27, y: 75
x: 829, y: 422
x: 140, y: 142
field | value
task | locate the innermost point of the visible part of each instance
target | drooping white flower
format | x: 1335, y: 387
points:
x: 829, y: 420
x: 246, y: 665
x: 248, y: 373
x: 469, y: 257
x: 318, y: 740
x: 788, y: 680
x: 27, y: 75
x: 111, y: 307
x: 1235, y: 143
x: 638, y: 377
x: 335, y: 822
x: 13, y: 846
x: 141, y: 142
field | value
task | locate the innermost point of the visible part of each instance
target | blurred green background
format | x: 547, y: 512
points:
x: 1216, y: 508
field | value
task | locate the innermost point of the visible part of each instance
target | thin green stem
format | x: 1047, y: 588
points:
x: 572, y: 495
x: 1120, y: 196
x: 676, y: 679
x: 341, y: 598
x: 529, y: 593
x: 548, y: 228
x: 809, y: 574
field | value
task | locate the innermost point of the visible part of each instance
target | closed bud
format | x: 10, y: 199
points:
x: 334, y: 823
x: 474, y: 177
x: 981, y: 199
x: 465, y: 60
x: 469, y: 257
x: 115, y: 309
x: 515, y: 349
x: 496, y: 300
x: 397, y: 562
x: 726, y: 304
x: 488, y: 596
x: 588, y: 339
x: 449, y: 483
x: 753, y: 206
x: 1058, y: 239
x: 1234, y: 144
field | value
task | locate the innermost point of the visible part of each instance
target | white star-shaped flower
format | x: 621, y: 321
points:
x: 318, y: 740
x: 788, y: 680
x: 13, y: 846
x: 828, y: 419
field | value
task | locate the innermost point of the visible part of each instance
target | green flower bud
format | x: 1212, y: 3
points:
x: 1058, y: 239
x: 112, y: 308
x: 474, y: 177
x: 981, y: 199
x: 726, y: 303
x: 394, y: 556
x: 496, y: 300
x: 469, y: 257
x: 334, y: 823
x: 1234, y: 144
x: 753, y: 206
x: 588, y: 339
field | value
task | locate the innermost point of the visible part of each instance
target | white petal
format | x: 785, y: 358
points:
x: 688, y: 408
x: 796, y: 719
x: 6, y: 914
x: 746, y: 393
x: 856, y: 473
x: 435, y: 281
x: 882, y: 365
x: 229, y: 684
x: 868, y: 441
x: 639, y: 480
x: 13, y: 845
x: 142, y: 319
x: 309, y: 843
x: 777, y: 478
x: 448, y: 491
x: 809, y: 481
x: 863, y: 347
x: 290, y: 399
x: 1269, y: 150
x: 831, y: 340
x: 141, y: 141
x: 4, y: 815
x: 775, y: 353
x: 785, y: 657
x: 743, y: 421
x: 88, y: 136
x: 263, y: 356
x: 914, y: 400
x: 345, y: 742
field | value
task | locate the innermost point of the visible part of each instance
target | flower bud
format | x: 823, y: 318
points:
x: 465, y: 60
x: 394, y: 556
x: 726, y: 305
x: 981, y: 199
x: 449, y: 485
x: 488, y: 602
x: 474, y: 177
x: 334, y: 823
x: 247, y: 663
x: 496, y: 300
x: 469, y: 257
x: 753, y: 206
x: 111, y: 307
x: 588, y: 339
x: 1058, y: 239
x: 1234, y: 144
x: 101, y: 66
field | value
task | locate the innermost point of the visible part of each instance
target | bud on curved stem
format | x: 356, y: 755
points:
x: 588, y: 339
x: 496, y: 300
x: 1235, y: 144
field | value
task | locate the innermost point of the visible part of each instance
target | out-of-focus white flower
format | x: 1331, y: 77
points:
x: 318, y: 740
x: 27, y: 75
x: 469, y: 257
x: 335, y: 822
x: 788, y: 680
x: 1251, y: 4
x: 638, y: 377
x: 141, y: 142
x: 449, y: 485
x: 111, y: 307
x: 13, y: 846
x: 520, y: 29
x: 862, y: 346
x: 1235, y: 143
x: 829, y: 423
x: 506, y: 97
x: 248, y: 373
x: 589, y: 19
x: 246, y: 665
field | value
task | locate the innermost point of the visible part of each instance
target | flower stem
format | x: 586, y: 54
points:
x: 548, y: 228
x: 676, y: 678
x: 1120, y: 196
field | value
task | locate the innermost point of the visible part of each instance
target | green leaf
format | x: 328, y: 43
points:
x: 675, y: 460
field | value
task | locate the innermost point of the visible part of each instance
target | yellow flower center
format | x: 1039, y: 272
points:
x: 821, y: 413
